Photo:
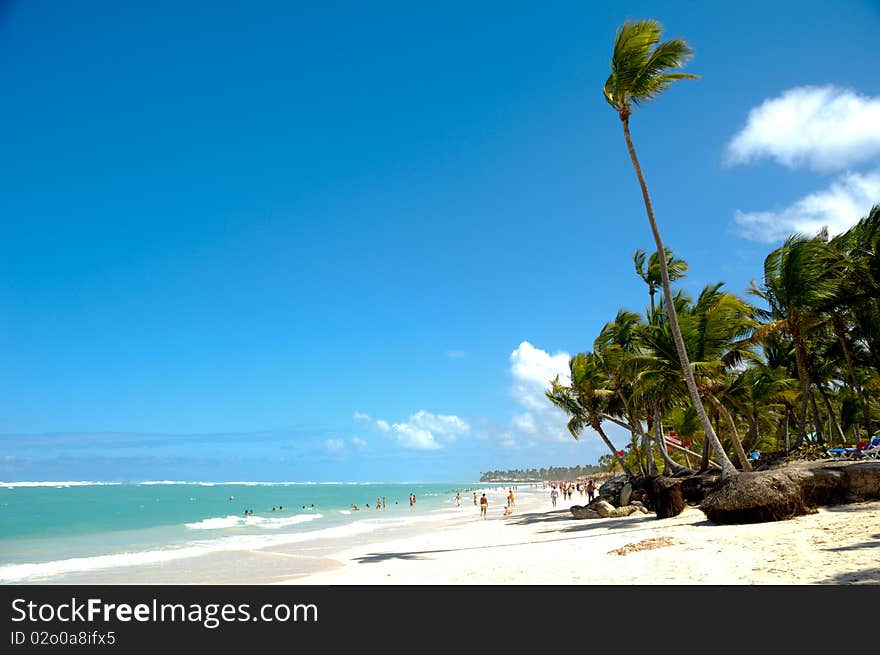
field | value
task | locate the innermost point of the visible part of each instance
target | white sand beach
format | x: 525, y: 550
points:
x: 540, y: 544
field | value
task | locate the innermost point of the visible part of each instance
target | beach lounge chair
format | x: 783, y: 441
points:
x: 873, y: 449
x: 842, y: 453
x: 869, y: 450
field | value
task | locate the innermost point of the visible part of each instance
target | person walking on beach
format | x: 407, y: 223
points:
x: 475, y: 499
x: 554, y: 495
x: 591, y: 490
x: 511, y: 502
x: 457, y: 499
x: 484, y: 505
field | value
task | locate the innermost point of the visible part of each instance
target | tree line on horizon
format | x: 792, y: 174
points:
x: 798, y: 366
x: 551, y: 474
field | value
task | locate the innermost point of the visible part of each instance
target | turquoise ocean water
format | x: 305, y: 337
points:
x: 49, y: 529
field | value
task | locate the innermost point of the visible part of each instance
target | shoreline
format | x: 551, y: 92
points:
x: 537, y: 544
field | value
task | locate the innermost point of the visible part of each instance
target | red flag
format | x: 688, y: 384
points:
x: 621, y: 453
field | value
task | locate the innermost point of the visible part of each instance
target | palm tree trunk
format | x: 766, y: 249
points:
x: 837, y: 322
x: 727, y: 468
x: 734, y: 434
x: 634, y: 434
x: 820, y: 433
x: 832, y: 416
x: 598, y: 428
x: 704, y: 459
x: 634, y: 424
x: 650, y: 464
x: 787, y: 437
x: 752, y: 434
x: 671, y: 466
x: 804, y: 378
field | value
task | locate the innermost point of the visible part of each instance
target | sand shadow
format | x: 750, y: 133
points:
x: 851, y: 508
x: 626, y: 524
x: 540, y: 517
x: 864, y: 544
x: 375, y: 558
x: 866, y: 577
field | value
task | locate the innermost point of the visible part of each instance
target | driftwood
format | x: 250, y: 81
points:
x: 790, y: 491
x: 770, y: 495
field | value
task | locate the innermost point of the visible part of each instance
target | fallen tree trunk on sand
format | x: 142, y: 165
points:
x: 793, y: 490
x: 770, y: 495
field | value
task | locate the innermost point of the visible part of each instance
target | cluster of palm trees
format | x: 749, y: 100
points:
x: 800, y: 364
x: 803, y: 363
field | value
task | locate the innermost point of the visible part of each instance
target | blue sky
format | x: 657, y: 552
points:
x: 282, y: 241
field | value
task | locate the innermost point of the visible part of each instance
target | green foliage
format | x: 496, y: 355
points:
x: 745, y: 357
x: 640, y: 65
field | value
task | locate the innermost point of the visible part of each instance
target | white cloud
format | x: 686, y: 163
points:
x: 838, y: 207
x: 508, y: 441
x: 532, y: 370
x: 415, y: 438
x: 456, y: 354
x: 525, y: 423
x: 445, y: 425
x: 825, y: 128
x: 359, y: 443
x: 361, y: 416
x: 426, y: 431
x: 334, y: 445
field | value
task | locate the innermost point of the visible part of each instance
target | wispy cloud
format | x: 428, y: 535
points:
x: 837, y: 207
x: 361, y: 416
x: 334, y: 445
x: 825, y: 128
x: 423, y: 430
x: 456, y: 354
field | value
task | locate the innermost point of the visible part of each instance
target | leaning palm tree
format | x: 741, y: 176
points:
x: 585, y: 400
x: 640, y: 70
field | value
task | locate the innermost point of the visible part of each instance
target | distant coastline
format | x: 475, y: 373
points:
x: 549, y: 474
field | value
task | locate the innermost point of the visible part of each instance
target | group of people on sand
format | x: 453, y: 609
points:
x: 484, y: 503
x: 567, y: 488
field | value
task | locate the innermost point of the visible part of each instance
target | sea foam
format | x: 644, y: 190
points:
x: 221, y: 522
x: 64, y: 483
x: 12, y: 573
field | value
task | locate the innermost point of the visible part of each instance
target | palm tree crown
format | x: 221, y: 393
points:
x: 640, y: 67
